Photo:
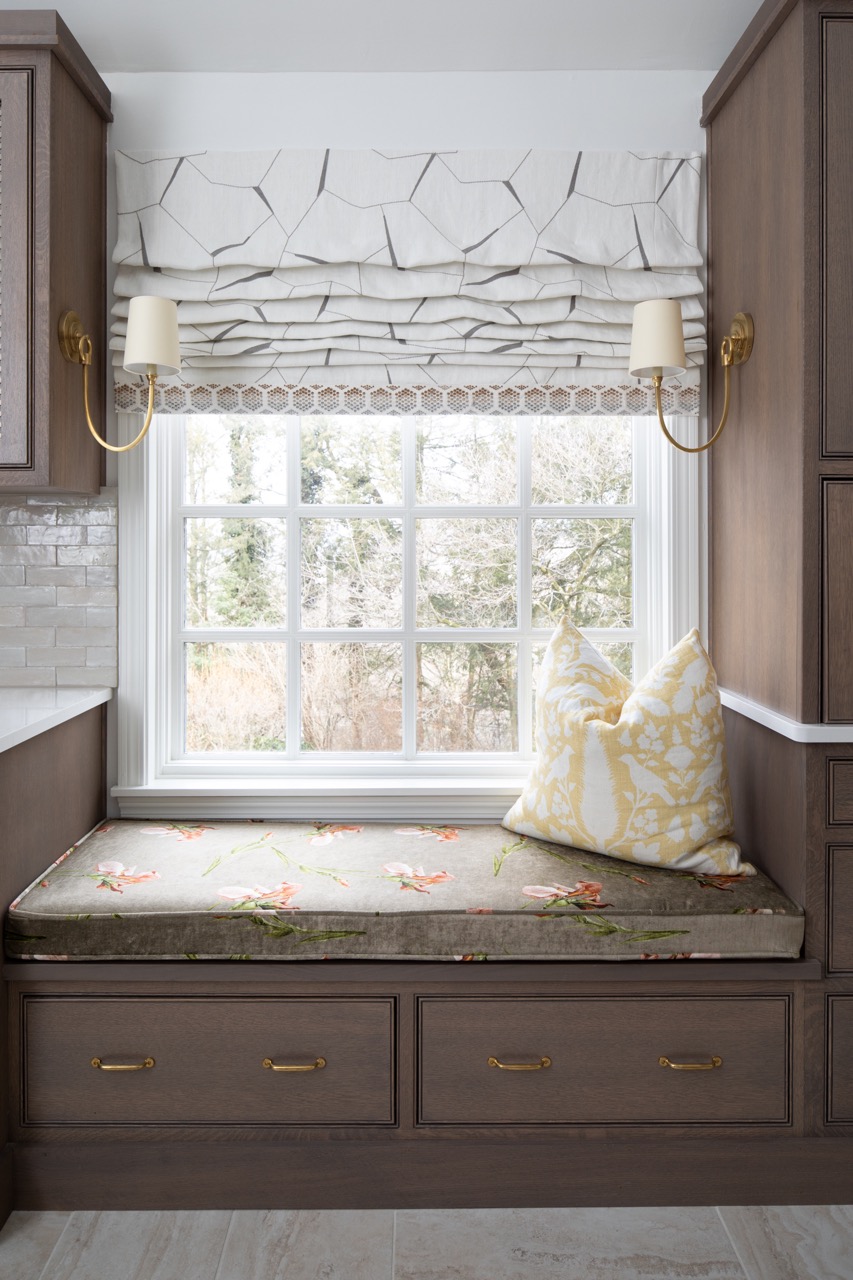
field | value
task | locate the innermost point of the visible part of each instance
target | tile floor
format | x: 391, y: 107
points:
x: 473, y: 1244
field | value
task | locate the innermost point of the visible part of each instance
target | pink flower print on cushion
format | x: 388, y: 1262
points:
x: 586, y: 894
x: 116, y: 876
x: 260, y: 898
x: 326, y: 832
x: 414, y: 878
x: 444, y: 835
x: 479, y: 911
x: 180, y: 830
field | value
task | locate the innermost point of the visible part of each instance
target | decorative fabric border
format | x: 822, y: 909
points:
x: 266, y: 398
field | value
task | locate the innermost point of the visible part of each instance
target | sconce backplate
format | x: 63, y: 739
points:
x: 742, y: 334
x: 70, y: 332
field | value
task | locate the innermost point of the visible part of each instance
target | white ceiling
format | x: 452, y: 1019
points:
x: 404, y: 35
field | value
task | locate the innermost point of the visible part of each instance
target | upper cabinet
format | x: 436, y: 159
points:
x: 780, y: 181
x: 54, y: 110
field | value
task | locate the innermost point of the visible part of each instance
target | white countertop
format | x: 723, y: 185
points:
x: 24, y: 713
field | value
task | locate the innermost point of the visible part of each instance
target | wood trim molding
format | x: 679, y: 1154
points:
x: 44, y: 29
x: 754, y: 40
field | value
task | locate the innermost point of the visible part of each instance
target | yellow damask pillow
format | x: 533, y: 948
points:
x: 637, y: 773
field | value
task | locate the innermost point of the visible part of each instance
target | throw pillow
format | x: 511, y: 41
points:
x: 637, y: 773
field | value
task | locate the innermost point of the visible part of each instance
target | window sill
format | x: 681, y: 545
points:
x: 438, y: 799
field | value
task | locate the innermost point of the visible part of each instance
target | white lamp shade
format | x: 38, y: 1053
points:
x: 657, y: 339
x: 152, y: 336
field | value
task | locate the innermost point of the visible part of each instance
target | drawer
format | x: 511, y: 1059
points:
x: 840, y: 908
x: 208, y: 1056
x: 601, y: 1060
x: 839, y: 792
x: 840, y: 1090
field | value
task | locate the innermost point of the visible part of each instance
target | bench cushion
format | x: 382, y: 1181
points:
x: 303, y: 891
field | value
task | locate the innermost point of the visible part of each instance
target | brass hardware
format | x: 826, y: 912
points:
x: 520, y: 1066
x: 318, y: 1065
x: 691, y: 1066
x: 122, y: 1066
x: 76, y: 347
x: 736, y: 348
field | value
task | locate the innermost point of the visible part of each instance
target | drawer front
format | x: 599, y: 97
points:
x: 208, y: 1057
x: 839, y: 792
x: 840, y: 907
x: 601, y: 1061
x: 840, y: 1091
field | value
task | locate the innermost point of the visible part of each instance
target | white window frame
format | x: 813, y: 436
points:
x: 669, y: 599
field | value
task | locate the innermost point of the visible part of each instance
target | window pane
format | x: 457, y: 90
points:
x: 470, y: 460
x: 352, y: 697
x: 351, y: 460
x: 235, y: 697
x: 467, y: 697
x: 467, y: 573
x: 580, y: 461
x: 352, y: 573
x: 582, y: 568
x: 234, y: 459
x: 235, y: 572
x: 621, y: 654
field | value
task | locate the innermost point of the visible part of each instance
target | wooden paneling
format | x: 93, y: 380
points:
x: 839, y: 792
x: 838, y: 601
x: 208, y: 1056
x: 602, y: 1061
x: 840, y: 1059
x: 840, y: 908
x: 16, y: 371
x: 760, y: 547
x: 837, y: 221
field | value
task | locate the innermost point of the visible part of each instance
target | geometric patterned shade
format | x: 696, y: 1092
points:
x: 348, y: 280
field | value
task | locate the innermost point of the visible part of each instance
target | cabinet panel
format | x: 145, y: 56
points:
x: 15, y: 269
x: 840, y: 1085
x: 838, y: 600
x: 840, y: 908
x: 838, y: 214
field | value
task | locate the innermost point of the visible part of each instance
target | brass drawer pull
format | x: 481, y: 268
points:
x: 520, y: 1066
x: 691, y: 1066
x: 309, y: 1066
x: 122, y: 1066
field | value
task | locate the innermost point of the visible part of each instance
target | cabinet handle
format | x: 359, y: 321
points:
x: 122, y: 1066
x: 318, y: 1065
x: 520, y: 1066
x: 691, y: 1066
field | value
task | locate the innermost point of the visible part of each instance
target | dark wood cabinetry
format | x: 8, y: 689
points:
x: 54, y: 110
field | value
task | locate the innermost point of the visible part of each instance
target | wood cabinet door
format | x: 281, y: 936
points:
x: 837, y: 140
x: 16, y: 187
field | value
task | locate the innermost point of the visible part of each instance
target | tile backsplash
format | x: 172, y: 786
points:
x: 58, y: 593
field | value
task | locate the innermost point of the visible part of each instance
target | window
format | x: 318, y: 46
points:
x: 370, y: 598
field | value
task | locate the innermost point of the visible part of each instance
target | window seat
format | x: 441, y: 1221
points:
x: 135, y: 890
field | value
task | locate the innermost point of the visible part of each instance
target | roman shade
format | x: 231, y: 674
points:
x: 426, y: 282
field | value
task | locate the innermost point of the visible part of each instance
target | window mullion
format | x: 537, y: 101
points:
x: 410, y: 570
x: 524, y: 655
x: 293, y: 688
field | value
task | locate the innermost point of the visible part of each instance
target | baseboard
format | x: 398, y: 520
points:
x: 431, y: 1173
x: 7, y: 1186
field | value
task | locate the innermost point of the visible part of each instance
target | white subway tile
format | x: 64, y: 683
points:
x: 27, y: 595
x: 13, y: 535
x: 27, y: 555
x: 68, y: 576
x: 102, y: 656
x: 55, y: 616
x: 87, y: 555
x: 101, y: 618
x: 12, y: 615
x: 55, y: 535
x: 29, y: 635
x: 18, y: 513
x: 76, y: 636
x: 86, y: 675
x: 13, y: 657
x: 31, y: 677
x: 101, y: 535
x: 94, y: 596
x: 55, y: 657
x: 101, y: 575
x: 101, y: 515
x: 12, y: 575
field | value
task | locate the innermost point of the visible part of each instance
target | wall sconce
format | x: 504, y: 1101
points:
x: 151, y: 347
x: 657, y: 352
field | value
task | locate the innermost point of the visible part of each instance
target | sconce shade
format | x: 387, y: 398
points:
x: 657, y: 339
x: 152, y: 336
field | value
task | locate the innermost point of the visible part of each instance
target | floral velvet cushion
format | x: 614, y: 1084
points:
x: 307, y: 891
x: 636, y: 773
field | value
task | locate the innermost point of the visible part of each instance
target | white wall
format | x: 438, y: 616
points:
x: 596, y: 110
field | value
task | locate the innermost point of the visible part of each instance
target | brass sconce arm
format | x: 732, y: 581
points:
x: 736, y: 348
x: 77, y: 349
